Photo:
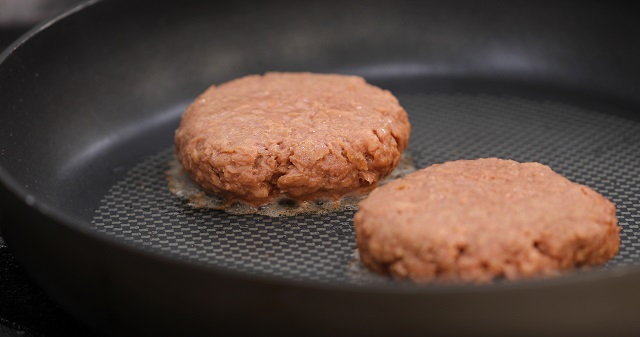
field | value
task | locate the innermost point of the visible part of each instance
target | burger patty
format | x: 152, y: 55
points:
x: 300, y: 136
x: 477, y: 220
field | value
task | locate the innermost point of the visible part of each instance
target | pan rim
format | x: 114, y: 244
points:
x: 62, y: 219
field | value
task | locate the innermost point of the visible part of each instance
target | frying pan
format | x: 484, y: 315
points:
x: 90, y: 101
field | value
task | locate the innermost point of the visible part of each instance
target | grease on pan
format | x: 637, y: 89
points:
x: 185, y: 188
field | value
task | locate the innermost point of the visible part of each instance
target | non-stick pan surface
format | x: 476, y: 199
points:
x: 90, y: 102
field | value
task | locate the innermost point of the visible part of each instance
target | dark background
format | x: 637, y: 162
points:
x: 24, y: 309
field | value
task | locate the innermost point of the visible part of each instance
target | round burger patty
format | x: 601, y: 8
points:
x: 299, y: 136
x: 477, y: 220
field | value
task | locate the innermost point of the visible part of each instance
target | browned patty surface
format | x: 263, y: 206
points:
x: 476, y: 220
x: 302, y: 136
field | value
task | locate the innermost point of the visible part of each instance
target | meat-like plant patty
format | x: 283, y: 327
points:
x: 299, y: 136
x: 477, y: 220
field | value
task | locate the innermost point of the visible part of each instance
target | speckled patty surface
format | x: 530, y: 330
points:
x: 299, y: 136
x: 476, y: 220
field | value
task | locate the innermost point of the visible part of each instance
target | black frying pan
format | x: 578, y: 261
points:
x: 89, y: 102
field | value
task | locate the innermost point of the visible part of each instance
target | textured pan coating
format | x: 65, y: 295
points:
x: 302, y: 136
x: 476, y: 220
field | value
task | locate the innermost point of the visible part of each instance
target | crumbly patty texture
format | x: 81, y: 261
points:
x: 478, y: 220
x: 299, y: 136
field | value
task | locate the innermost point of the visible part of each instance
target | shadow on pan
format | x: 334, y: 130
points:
x: 90, y: 101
